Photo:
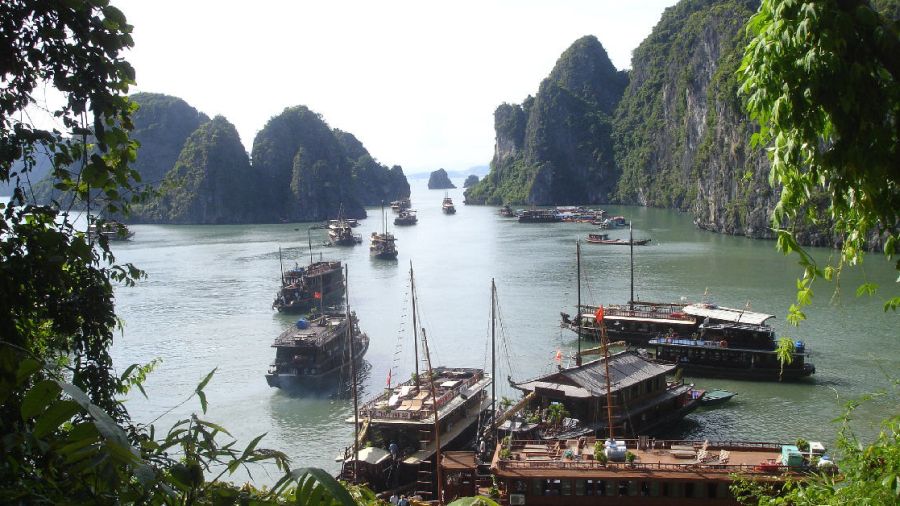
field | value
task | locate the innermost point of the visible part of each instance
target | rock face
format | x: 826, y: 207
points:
x: 302, y: 170
x: 373, y: 182
x: 556, y: 147
x: 211, y: 183
x: 162, y: 124
x: 682, y: 138
x: 470, y: 181
x: 439, y: 180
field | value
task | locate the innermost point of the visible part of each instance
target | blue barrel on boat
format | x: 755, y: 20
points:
x: 799, y: 346
x: 302, y: 324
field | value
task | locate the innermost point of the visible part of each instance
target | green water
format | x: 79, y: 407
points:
x: 207, y: 303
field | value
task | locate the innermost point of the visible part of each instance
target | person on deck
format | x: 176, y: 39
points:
x: 395, y: 450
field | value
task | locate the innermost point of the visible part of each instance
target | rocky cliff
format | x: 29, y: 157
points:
x: 556, y: 147
x: 212, y: 182
x: 681, y: 136
x: 439, y: 180
x: 373, y: 183
x: 162, y: 124
x: 471, y: 180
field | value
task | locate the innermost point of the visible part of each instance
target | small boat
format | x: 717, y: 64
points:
x: 507, y: 212
x: 340, y: 233
x: 539, y: 216
x: 406, y: 217
x: 447, y: 206
x: 716, y: 397
x: 110, y: 229
x: 604, y: 239
x: 311, y: 352
x: 384, y: 244
x: 400, y: 205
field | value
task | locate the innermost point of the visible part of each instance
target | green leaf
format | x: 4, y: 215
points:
x: 866, y: 289
x: 38, y: 398
x: 252, y: 446
x: 203, y: 403
x: 203, y: 383
x: 58, y: 413
x: 27, y: 367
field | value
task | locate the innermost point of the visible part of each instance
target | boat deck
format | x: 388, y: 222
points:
x: 316, y: 334
x: 574, y: 458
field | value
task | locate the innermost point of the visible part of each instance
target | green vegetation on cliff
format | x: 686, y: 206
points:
x: 556, y: 147
x: 162, y: 124
x: 681, y: 105
x: 211, y: 183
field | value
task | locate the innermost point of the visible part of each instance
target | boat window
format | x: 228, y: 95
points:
x: 724, y: 491
x: 611, y: 489
x: 711, y: 490
x: 645, y: 489
x: 689, y: 490
x: 654, y: 489
x: 537, y: 487
x: 566, y: 487
x: 623, y: 488
x: 579, y: 487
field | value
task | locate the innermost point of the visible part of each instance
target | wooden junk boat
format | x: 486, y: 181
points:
x: 447, y: 206
x: 406, y: 217
x: 384, y: 245
x: 589, y: 471
x: 539, y: 216
x: 303, y: 288
x: 604, y: 239
x: 340, y: 233
x: 507, y: 212
x: 642, y: 400
x: 400, y: 205
x: 402, y: 430
x: 311, y: 352
x: 110, y: 230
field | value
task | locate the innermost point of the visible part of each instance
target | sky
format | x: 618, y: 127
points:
x: 417, y: 82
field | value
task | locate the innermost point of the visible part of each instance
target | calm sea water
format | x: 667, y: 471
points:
x: 206, y: 303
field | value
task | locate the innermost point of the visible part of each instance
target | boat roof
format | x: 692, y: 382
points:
x: 626, y: 368
x: 661, y: 320
x: 409, y: 402
x: 685, y: 460
x: 319, y: 331
x: 458, y: 461
x: 373, y: 455
x: 726, y: 314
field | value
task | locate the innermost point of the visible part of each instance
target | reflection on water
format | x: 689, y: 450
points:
x: 207, y: 303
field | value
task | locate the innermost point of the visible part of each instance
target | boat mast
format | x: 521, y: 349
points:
x: 309, y: 239
x: 352, y: 374
x: 631, y: 255
x: 605, y: 344
x: 493, y: 360
x: 437, y: 424
x: 412, y: 292
x: 578, y: 306
x: 281, y: 265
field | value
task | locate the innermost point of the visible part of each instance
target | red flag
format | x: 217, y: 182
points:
x: 599, y: 314
x: 317, y: 295
x: 389, y: 378
x: 558, y: 356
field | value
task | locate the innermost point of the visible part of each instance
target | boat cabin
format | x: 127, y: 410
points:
x: 642, y: 399
x: 587, y: 471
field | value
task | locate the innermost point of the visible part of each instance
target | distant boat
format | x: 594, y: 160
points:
x: 447, y: 206
x: 507, y: 212
x: 384, y: 244
x: 539, y: 216
x: 400, y: 205
x: 340, y: 233
x: 604, y: 239
x: 406, y: 217
x: 716, y: 397
x: 304, y: 288
x: 111, y: 230
x: 312, y: 351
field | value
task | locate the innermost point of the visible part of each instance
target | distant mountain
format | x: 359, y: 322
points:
x: 556, y: 147
x: 212, y: 181
x: 438, y: 180
x: 478, y: 170
x: 472, y: 180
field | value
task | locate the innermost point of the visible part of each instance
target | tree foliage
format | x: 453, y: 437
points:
x: 822, y: 79
x: 65, y: 435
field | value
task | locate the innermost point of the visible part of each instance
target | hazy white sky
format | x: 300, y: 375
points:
x: 416, y: 81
